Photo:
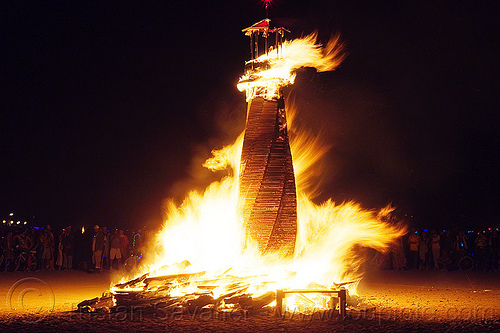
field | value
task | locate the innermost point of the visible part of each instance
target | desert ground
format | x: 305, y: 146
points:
x: 392, y: 301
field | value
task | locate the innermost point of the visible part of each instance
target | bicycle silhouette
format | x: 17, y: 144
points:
x: 26, y: 260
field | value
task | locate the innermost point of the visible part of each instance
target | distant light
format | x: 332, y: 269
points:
x: 11, y: 214
x: 425, y: 230
x: 36, y: 228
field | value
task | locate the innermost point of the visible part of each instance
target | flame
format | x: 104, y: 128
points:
x: 295, y: 54
x: 204, y: 235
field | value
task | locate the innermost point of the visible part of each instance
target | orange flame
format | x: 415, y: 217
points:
x: 205, y: 229
x: 298, y: 53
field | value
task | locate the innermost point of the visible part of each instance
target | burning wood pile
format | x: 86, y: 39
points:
x: 160, y: 293
x: 183, y: 293
x: 157, y: 291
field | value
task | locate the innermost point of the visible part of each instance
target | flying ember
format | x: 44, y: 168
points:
x: 257, y: 230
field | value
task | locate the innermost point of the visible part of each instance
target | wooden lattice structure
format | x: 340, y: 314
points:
x: 268, y: 199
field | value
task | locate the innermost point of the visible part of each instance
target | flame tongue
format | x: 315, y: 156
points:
x: 267, y: 74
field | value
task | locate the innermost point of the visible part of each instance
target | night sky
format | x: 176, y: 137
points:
x: 109, y: 108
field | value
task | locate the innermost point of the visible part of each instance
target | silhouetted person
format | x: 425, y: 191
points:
x: 9, y: 250
x: 124, y: 242
x: 481, y: 243
x: 414, y: 242
x: 47, y: 239
x: 105, y: 252
x: 436, y: 248
x: 422, y: 250
x: 59, y: 261
x: 494, y: 243
x: 97, y: 248
x: 68, y: 248
x: 115, y: 253
x: 398, y: 255
x: 446, y: 247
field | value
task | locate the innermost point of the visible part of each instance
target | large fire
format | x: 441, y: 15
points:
x: 203, y: 238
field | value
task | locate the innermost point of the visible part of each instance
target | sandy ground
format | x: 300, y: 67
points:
x: 409, y: 301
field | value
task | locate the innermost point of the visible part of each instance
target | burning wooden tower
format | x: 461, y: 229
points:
x: 267, y: 192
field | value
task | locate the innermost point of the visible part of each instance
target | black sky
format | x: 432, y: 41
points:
x: 105, y: 104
